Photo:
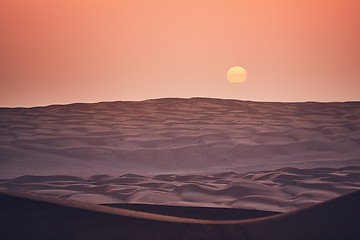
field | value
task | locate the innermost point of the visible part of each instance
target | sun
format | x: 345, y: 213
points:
x: 236, y: 74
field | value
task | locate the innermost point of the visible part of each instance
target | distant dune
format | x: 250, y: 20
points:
x: 177, y: 135
x: 199, y: 152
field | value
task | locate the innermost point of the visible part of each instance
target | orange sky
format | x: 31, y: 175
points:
x: 103, y: 50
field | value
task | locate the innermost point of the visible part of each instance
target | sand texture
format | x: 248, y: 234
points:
x: 194, y: 152
x: 281, y: 190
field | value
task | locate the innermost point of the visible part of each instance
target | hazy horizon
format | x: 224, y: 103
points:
x: 182, y: 98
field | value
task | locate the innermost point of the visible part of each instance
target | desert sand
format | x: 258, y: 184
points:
x: 198, y: 152
x: 281, y: 190
x: 177, y: 136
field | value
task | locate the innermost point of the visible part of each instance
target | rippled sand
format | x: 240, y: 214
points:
x: 198, y: 152
x: 280, y: 190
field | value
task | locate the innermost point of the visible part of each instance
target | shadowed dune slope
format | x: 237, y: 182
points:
x: 38, y: 217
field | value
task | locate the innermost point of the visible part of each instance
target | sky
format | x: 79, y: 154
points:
x: 58, y: 52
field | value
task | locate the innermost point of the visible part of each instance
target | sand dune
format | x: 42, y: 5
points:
x: 37, y: 217
x: 177, y: 136
x: 194, y: 152
x: 223, y: 161
x: 281, y: 190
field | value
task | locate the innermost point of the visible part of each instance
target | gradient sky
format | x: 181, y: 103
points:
x: 103, y: 50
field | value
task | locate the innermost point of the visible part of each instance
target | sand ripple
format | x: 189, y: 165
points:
x: 177, y: 135
x: 184, y: 151
x: 281, y: 190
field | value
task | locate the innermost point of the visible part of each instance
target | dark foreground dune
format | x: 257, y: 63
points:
x: 39, y: 217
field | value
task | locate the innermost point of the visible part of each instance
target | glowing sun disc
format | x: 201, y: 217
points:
x: 236, y: 74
